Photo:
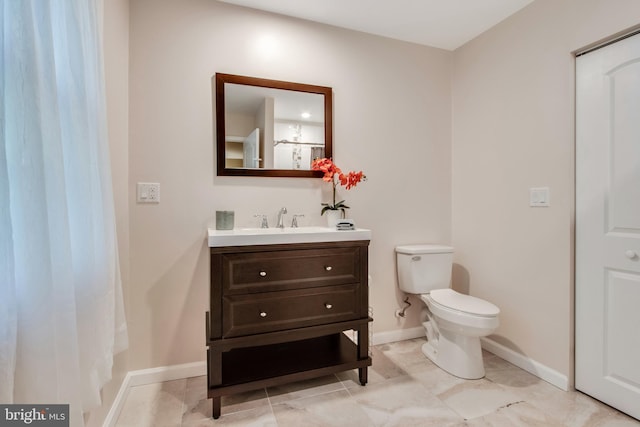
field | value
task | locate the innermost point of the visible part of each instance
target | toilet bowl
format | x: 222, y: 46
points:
x: 457, y: 347
x: 455, y: 322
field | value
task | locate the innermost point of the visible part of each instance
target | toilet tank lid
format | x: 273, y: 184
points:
x: 423, y: 249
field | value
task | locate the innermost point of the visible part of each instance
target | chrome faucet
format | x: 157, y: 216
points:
x: 263, y: 222
x: 281, y: 217
x: 294, y: 221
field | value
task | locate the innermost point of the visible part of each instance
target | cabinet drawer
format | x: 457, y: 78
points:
x: 289, y: 269
x: 274, y: 311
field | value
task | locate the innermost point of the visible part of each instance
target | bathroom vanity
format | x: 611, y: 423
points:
x: 280, y: 301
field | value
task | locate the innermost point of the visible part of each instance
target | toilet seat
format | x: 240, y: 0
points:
x: 453, y: 318
x: 452, y: 300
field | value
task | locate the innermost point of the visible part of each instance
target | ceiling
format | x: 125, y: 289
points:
x: 445, y: 24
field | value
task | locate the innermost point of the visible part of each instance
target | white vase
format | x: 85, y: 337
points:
x: 333, y: 216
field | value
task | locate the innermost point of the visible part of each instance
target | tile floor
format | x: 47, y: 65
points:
x: 404, y: 389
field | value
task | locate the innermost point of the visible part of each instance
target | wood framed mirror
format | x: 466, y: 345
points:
x: 271, y: 128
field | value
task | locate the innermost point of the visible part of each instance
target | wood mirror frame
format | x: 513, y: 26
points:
x: 222, y: 79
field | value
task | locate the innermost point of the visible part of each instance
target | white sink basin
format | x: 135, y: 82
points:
x: 270, y: 236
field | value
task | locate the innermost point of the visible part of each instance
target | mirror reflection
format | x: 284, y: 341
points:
x: 271, y: 128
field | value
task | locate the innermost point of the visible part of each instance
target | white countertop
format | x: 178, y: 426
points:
x: 271, y: 236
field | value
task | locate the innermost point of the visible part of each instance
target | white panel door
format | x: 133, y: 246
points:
x: 251, y: 145
x: 608, y: 224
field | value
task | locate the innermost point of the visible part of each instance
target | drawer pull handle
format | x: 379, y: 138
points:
x: 328, y: 306
x: 263, y: 314
x: 263, y: 273
x: 328, y: 268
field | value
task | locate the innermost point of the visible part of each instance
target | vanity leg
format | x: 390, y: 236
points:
x: 214, y: 371
x: 363, y: 374
x: 363, y: 351
x: 216, y: 407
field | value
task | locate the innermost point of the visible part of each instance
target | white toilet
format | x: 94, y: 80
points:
x: 455, y: 322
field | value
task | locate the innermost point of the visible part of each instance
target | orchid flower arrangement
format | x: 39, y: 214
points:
x: 334, y: 175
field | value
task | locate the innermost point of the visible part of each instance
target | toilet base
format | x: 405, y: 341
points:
x: 457, y: 354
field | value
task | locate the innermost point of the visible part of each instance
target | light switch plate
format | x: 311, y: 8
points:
x: 148, y: 192
x: 539, y: 197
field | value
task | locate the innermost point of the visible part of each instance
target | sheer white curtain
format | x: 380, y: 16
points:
x: 61, y: 309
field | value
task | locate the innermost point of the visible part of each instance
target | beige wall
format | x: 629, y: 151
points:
x: 116, y: 65
x: 392, y: 119
x: 513, y: 106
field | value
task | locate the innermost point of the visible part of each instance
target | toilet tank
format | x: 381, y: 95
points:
x: 423, y: 268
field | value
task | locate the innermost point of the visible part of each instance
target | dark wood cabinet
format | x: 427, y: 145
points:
x: 278, y: 312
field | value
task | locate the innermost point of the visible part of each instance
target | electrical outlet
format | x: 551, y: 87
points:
x: 148, y: 192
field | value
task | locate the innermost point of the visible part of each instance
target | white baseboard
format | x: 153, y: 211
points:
x: 187, y: 370
x: 533, y: 367
x: 167, y: 373
x: 397, y: 335
x: 541, y: 371
x: 118, y: 403
x: 150, y: 376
